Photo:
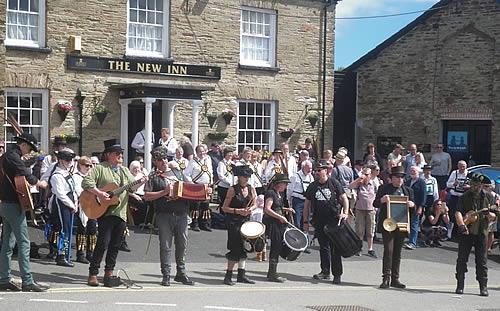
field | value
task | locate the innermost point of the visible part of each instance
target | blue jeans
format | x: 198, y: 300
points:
x: 298, y: 206
x: 14, y: 229
x: 414, y: 228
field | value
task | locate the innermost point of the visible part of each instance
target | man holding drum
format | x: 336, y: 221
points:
x: 238, y: 205
x: 329, y: 203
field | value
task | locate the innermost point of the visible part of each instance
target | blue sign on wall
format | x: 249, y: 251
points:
x: 458, y: 141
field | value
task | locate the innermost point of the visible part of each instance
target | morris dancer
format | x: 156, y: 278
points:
x: 199, y: 171
x: 226, y: 178
x: 275, y: 222
x: 62, y: 205
x: 238, y: 205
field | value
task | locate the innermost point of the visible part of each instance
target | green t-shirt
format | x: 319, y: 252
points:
x: 102, y: 175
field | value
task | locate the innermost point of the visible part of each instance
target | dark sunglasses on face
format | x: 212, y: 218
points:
x: 88, y: 165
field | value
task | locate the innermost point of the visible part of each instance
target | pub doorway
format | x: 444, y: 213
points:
x: 136, y: 116
x: 468, y: 140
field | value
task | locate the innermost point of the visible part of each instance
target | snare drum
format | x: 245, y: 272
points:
x: 294, y: 243
x: 252, y: 233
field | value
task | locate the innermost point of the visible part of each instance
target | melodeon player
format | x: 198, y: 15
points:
x: 14, y: 218
x: 171, y: 217
x: 199, y: 171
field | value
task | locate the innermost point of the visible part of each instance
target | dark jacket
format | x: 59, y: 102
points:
x: 390, y: 190
x: 418, y: 188
x: 11, y: 165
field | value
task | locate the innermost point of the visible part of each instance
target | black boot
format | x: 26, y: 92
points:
x: 61, y: 261
x: 272, y: 275
x: 483, y: 288
x: 228, y: 278
x: 242, y: 278
x: 385, y: 282
x: 460, y: 283
x: 80, y: 257
x: 396, y: 284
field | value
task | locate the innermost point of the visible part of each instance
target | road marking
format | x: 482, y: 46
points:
x: 146, y: 304
x: 229, y: 308
x: 59, y: 301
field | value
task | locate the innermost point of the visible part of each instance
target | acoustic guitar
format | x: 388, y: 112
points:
x: 472, y: 216
x: 95, y: 208
x: 23, y: 191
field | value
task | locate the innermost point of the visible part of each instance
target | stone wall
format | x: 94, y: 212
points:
x: 449, y: 63
x: 202, y: 32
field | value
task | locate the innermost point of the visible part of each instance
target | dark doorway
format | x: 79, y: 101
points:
x: 136, y: 116
x: 468, y: 140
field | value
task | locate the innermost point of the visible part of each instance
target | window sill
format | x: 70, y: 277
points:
x: 260, y: 68
x: 149, y: 58
x: 45, y: 50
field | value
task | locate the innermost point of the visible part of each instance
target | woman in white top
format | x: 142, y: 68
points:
x: 86, y: 231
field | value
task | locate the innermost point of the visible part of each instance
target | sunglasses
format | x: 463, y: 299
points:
x: 88, y: 165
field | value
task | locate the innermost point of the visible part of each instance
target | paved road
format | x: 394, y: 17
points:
x: 429, y: 274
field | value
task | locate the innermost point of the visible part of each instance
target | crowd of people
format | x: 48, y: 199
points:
x: 279, y: 189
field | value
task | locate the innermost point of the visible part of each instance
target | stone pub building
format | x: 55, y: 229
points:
x: 435, y: 80
x: 128, y: 64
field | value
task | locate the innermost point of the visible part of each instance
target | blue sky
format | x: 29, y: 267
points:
x: 354, y: 38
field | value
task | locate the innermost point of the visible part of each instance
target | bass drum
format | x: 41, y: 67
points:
x: 294, y: 243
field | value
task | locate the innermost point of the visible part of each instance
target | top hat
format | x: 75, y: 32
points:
x: 65, y: 154
x: 242, y: 170
x: 398, y: 171
x: 112, y: 145
x: 27, y: 138
x: 280, y: 178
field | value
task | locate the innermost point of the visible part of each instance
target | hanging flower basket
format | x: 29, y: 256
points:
x: 227, y: 115
x: 313, y: 118
x: 217, y: 136
x: 63, y: 107
x: 287, y: 133
x: 211, y: 119
x: 101, y: 116
x: 62, y: 114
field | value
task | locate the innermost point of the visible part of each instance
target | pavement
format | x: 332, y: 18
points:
x: 427, y: 272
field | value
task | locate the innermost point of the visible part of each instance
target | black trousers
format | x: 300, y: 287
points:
x: 221, y: 193
x: 109, y: 238
x: 393, y: 243
x: 465, y: 244
x: 329, y: 258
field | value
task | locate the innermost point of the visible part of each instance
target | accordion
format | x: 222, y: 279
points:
x: 193, y: 192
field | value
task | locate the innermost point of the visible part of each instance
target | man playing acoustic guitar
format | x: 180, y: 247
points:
x: 112, y: 224
x: 472, y: 216
x: 14, y: 217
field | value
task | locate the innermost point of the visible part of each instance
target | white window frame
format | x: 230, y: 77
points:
x: 44, y: 140
x: 41, y: 29
x: 272, y: 40
x: 272, y: 129
x: 165, y: 35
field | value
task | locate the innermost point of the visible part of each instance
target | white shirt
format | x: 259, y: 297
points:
x: 257, y: 178
x: 138, y: 142
x: 224, y: 171
x: 170, y: 144
x: 61, y: 184
x: 461, y: 178
x: 273, y: 167
x: 199, y: 171
x: 178, y: 168
x: 298, y: 185
x: 47, y: 163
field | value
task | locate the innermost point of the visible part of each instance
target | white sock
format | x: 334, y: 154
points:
x: 242, y: 264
